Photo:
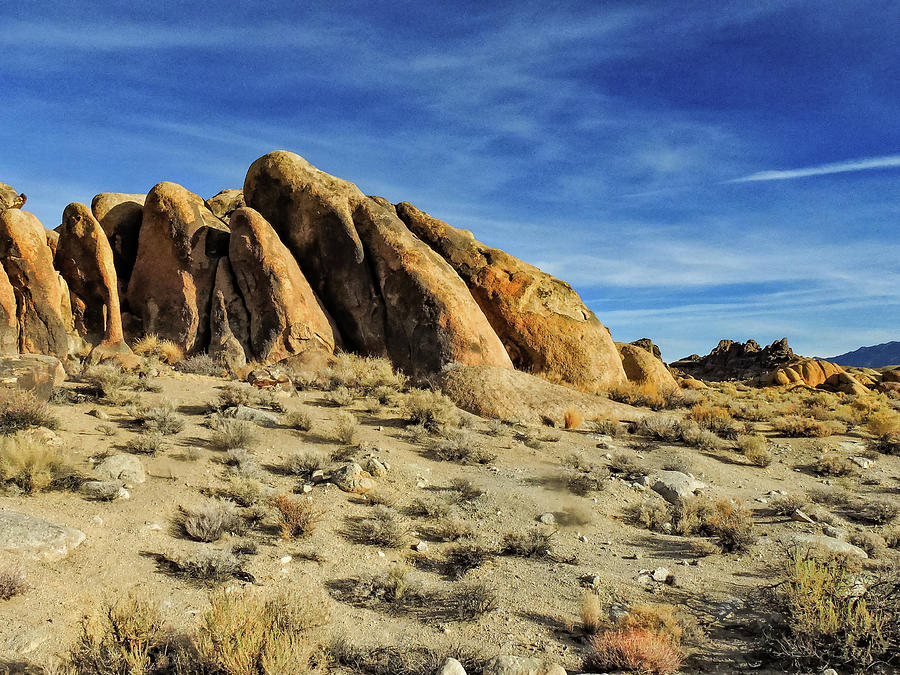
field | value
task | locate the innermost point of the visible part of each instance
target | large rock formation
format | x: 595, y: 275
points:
x: 120, y: 216
x: 285, y: 315
x: 9, y: 327
x: 544, y: 325
x: 645, y: 370
x: 737, y: 360
x: 40, y: 297
x: 36, y: 373
x: 226, y: 202
x: 179, y: 247
x: 812, y: 372
x: 370, y: 270
x: 9, y: 198
x: 85, y: 260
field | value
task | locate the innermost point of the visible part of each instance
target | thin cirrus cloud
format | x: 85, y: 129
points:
x: 862, y: 164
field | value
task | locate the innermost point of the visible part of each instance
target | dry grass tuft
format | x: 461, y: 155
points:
x: 634, y: 649
x: 20, y: 409
x: 572, y: 418
x: 32, y: 466
x: 13, y: 582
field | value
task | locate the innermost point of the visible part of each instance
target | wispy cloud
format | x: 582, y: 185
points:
x: 862, y: 164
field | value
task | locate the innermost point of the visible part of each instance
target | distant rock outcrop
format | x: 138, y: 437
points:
x: 369, y: 270
x: 737, y: 360
x: 876, y: 356
x: 544, y: 325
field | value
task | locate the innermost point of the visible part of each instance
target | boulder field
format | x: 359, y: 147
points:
x: 297, y: 261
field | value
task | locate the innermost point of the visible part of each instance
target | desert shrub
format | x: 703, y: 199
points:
x: 450, y: 528
x: 635, y: 649
x: 891, y: 536
x: 161, y: 419
x: 592, y: 613
x: 200, y: 364
x: 883, y: 422
x: 246, y: 633
x: 381, y: 527
x: 534, y: 543
x: 572, y: 418
x: 465, y: 556
x: 466, y: 490
x: 888, y: 444
x: 233, y: 394
x: 658, y: 618
x: 231, y: 434
x: 245, y: 490
x: 832, y: 465
x: 297, y: 517
x: 32, y: 466
x: 431, y: 409
x: 797, y: 426
x: 20, y: 409
x: 717, y: 419
x: 146, y: 444
x: 13, y: 582
x: 755, y: 448
x: 607, y: 427
x: 210, y: 521
x: 702, y: 439
x: 787, y: 504
x: 462, y: 447
x: 827, y: 622
x: 109, y: 382
x: 430, y: 509
x: 829, y: 495
x: 878, y: 511
x: 345, y: 428
x: 303, y: 464
x: 127, y: 637
x: 298, y: 419
x: 627, y: 465
x: 728, y: 521
x: 661, y: 428
x: 400, y: 660
x: 365, y: 375
x: 874, y: 545
x: 654, y: 514
x: 645, y: 395
x: 680, y: 463
x: 341, y: 397
x: 583, y: 483
x: 213, y: 566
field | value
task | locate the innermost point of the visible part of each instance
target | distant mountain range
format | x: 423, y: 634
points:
x: 876, y: 356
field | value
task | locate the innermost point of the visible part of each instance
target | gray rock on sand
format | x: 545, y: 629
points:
x: 675, y: 486
x: 522, y: 665
x: 123, y: 467
x: 32, y: 536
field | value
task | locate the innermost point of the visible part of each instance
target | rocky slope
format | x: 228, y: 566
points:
x: 876, y: 356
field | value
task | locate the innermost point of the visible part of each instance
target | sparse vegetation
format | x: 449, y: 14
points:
x: 32, y: 466
x: 303, y: 464
x: 634, y: 649
x: 231, y: 434
x: 20, y: 409
x: 431, y: 409
x: 200, y: 364
x: 345, y: 428
x: 146, y: 444
x: 572, y: 418
x: 827, y: 622
x: 210, y: 521
x: 534, y: 543
x: 831, y: 464
x: 297, y: 517
x: 755, y: 448
x: 13, y: 582
x: 234, y: 394
x: 299, y: 420
x: 161, y: 419
x: 465, y: 556
x: 462, y: 447
x: 383, y: 526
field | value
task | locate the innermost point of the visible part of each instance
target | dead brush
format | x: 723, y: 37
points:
x: 755, y: 448
x: 633, y: 649
x: 572, y: 418
x: 303, y: 464
x: 20, y: 409
x: 298, y: 517
x: 146, y: 444
x: 831, y: 464
x: 13, y: 582
x: 299, y: 420
x: 463, y: 557
x: 592, y: 613
x: 462, y: 447
x: 534, y: 543
x: 345, y: 428
x: 234, y: 394
x: 788, y: 504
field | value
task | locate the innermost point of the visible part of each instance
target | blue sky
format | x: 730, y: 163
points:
x: 696, y: 170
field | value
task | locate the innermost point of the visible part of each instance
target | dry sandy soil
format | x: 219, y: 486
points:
x: 538, y: 599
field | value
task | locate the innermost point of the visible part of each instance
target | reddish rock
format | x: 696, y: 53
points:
x: 170, y: 288
x: 9, y: 327
x: 235, y: 308
x: 52, y: 240
x: 39, y: 295
x: 10, y: 199
x: 226, y: 202
x: 285, y: 315
x: 36, y: 373
x: 85, y: 260
x: 386, y: 290
x: 544, y: 325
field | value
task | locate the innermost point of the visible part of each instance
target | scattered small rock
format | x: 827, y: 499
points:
x: 521, y: 665
x: 675, y: 486
x: 123, y: 467
x: 452, y: 667
x: 104, y: 490
x: 801, y: 517
x: 547, y: 518
x: 351, y: 478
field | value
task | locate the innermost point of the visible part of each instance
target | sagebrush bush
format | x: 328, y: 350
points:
x: 200, y: 364
x: 531, y: 544
x: 714, y: 418
x: 234, y: 394
x: 146, y: 444
x: 755, y: 448
x: 883, y: 422
x: 383, y: 526
x: 210, y: 521
x: 345, y: 428
x: 465, y: 556
x: 231, y: 434
x: 303, y: 464
x: 32, y: 466
x: 461, y: 446
x: 786, y: 505
x: 827, y: 622
x: 833, y: 465
x: 298, y: 419
x: 365, y: 375
x: 160, y: 419
x: 797, y: 426
x: 20, y: 409
x: 431, y: 409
